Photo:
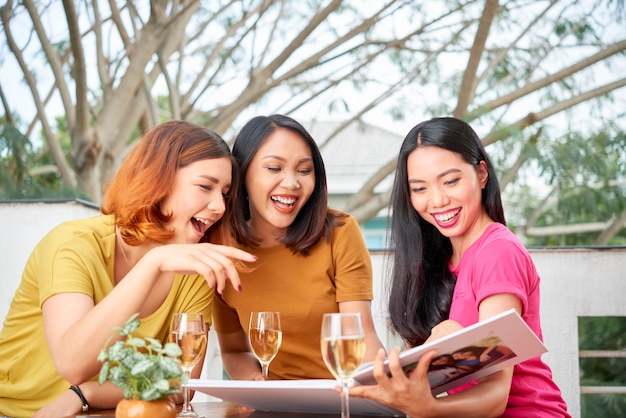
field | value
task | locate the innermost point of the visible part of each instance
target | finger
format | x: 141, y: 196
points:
x: 214, y: 268
x: 379, y: 370
x: 231, y: 252
x: 399, y: 379
x: 395, y: 367
x: 385, y: 377
x: 221, y: 268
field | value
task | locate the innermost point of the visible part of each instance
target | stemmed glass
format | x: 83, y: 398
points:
x: 265, y: 338
x: 188, y: 330
x: 343, y: 349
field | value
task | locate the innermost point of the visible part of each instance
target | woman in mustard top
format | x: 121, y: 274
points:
x: 311, y: 259
x: 152, y: 251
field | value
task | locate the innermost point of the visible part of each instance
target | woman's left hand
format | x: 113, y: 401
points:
x: 443, y: 329
x: 409, y: 394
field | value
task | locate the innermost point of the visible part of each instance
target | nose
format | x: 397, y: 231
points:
x: 290, y: 181
x: 438, y: 197
x: 217, y: 205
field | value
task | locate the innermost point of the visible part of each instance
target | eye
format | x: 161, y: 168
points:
x: 305, y: 171
x: 273, y: 168
x: 452, y: 182
x: 207, y: 187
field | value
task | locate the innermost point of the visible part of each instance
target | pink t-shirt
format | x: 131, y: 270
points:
x: 499, y: 263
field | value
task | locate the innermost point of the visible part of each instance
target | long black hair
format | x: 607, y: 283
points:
x: 422, y: 285
x: 314, y: 219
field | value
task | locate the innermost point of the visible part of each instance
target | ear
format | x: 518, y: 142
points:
x: 483, y: 173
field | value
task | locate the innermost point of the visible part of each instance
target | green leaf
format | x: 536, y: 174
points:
x: 104, y: 372
x: 141, y: 367
x: 172, y: 350
x: 131, y: 325
x: 170, y: 366
x: 136, y: 342
x: 154, y: 344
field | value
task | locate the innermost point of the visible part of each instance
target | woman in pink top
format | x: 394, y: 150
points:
x: 456, y: 263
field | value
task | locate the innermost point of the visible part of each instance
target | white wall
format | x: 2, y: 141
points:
x: 23, y: 224
x: 575, y: 282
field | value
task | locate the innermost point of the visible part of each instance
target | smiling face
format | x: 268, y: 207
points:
x: 197, y: 198
x: 446, y: 191
x: 279, y: 181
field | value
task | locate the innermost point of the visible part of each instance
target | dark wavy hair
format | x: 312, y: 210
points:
x: 314, y: 219
x: 146, y: 177
x: 422, y: 285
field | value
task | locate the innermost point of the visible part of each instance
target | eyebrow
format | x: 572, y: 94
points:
x: 210, y: 178
x: 214, y: 180
x: 278, y: 157
x: 445, y: 173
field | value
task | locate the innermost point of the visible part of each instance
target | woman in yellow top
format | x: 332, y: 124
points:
x: 150, y: 252
x: 311, y: 259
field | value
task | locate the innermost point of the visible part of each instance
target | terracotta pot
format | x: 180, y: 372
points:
x: 128, y: 408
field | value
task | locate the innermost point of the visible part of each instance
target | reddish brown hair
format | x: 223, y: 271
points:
x: 146, y: 177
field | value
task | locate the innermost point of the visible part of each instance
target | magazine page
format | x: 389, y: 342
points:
x: 470, y: 353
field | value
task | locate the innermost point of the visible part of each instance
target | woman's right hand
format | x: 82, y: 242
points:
x: 214, y: 262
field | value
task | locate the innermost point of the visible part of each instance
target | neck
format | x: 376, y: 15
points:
x: 461, y: 244
x: 268, y: 235
x: 130, y: 254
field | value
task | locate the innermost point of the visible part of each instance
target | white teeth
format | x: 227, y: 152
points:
x: 284, y: 200
x: 446, y: 216
x: 204, y: 221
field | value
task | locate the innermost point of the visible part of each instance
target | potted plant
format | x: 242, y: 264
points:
x: 146, y: 371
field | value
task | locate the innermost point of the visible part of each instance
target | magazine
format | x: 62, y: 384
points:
x: 470, y: 353
x: 463, y: 356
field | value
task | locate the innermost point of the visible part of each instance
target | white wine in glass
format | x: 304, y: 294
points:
x: 265, y: 337
x: 189, y: 331
x: 343, y: 349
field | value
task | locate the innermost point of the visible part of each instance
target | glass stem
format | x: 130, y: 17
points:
x: 345, y: 400
x: 265, y: 369
x: 186, y: 407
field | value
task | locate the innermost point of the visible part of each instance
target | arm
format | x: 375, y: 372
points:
x: 99, y: 397
x: 372, y: 342
x: 69, y: 404
x: 239, y: 362
x: 412, y: 395
x: 76, y: 329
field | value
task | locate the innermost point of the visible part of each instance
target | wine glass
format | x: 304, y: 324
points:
x: 188, y: 330
x: 343, y: 349
x: 265, y: 338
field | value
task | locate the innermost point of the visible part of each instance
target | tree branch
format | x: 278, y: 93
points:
x: 468, y: 85
x: 533, y: 118
x: 550, y: 79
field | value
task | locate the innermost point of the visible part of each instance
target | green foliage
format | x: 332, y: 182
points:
x: 142, y: 367
x: 590, y: 171
x: 602, y: 333
x: 18, y: 158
